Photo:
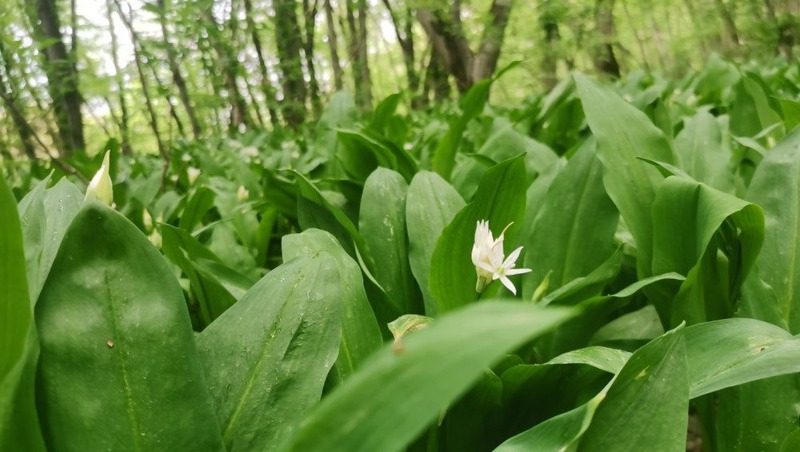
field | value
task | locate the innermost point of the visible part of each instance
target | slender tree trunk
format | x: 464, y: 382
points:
x: 356, y: 12
x: 309, y: 27
x: 228, y: 63
x: 266, y: 84
x: 731, y: 30
x: 289, y: 40
x: 333, y: 46
x: 124, y: 119
x: 552, y: 37
x: 405, y: 37
x: 137, y: 59
x: 61, y: 75
x: 174, y: 67
x: 24, y: 129
x: 604, y: 58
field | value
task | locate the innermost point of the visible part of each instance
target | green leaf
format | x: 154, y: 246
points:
x: 776, y: 188
x: 710, y: 224
x: 405, y: 385
x: 500, y: 200
x: 268, y: 355
x: 17, y: 336
x: 703, y: 153
x: 117, y: 351
x: 212, y: 298
x: 382, y: 223
x: 360, y: 333
x: 730, y: 352
x: 648, y: 402
x: 45, y: 215
x: 430, y: 206
x: 623, y: 136
x: 574, y: 230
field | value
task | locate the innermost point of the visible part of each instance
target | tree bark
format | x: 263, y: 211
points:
x: 124, y: 118
x: 731, y: 30
x: 61, y: 73
x: 604, y: 58
x: 405, y: 37
x: 174, y: 67
x: 289, y: 42
x: 446, y: 33
x: 24, y: 129
x: 333, y: 46
x: 309, y: 27
x: 137, y: 59
x: 356, y: 12
x: 266, y: 84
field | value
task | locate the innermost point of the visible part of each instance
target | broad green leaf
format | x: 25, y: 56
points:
x: 430, y: 206
x: 19, y: 427
x: 608, y: 359
x: 703, y: 152
x: 697, y: 213
x: 405, y: 385
x: 472, y: 104
x: 117, y: 350
x: 267, y: 356
x: 776, y: 188
x: 500, y: 200
x: 503, y: 143
x: 45, y: 215
x: 574, y: 231
x: 730, y: 352
x: 622, y: 137
x: 648, y: 402
x: 640, y: 325
x: 212, y: 298
x: 360, y: 333
x: 557, y: 434
x: 359, y: 145
x: 751, y: 109
x: 382, y: 223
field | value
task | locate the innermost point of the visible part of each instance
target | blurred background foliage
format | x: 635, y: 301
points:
x: 154, y: 73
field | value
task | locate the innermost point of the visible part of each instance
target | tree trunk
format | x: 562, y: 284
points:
x: 266, y: 85
x: 446, y: 33
x: 229, y: 64
x: 137, y: 59
x: 24, y: 129
x: 61, y: 75
x: 552, y: 38
x: 174, y: 67
x: 333, y: 46
x: 604, y: 58
x: 124, y: 119
x: 405, y: 37
x: 727, y: 20
x: 357, y: 24
x: 309, y: 27
x: 289, y: 42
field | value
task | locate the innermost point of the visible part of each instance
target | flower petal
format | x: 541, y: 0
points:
x: 509, y: 285
x: 517, y: 271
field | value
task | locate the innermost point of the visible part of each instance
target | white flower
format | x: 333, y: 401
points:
x: 192, y: 173
x: 490, y: 263
x: 100, y: 187
x: 242, y: 194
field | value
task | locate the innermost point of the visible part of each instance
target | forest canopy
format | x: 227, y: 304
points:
x: 76, y: 73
